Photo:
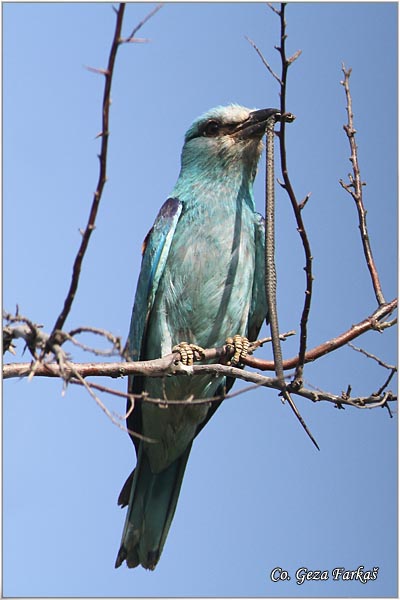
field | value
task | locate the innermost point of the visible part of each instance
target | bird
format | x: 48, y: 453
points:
x: 201, y: 280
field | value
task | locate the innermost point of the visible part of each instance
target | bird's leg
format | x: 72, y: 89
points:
x: 189, y: 352
x: 239, y: 345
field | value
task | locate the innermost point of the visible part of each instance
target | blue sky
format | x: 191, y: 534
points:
x: 256, y: 493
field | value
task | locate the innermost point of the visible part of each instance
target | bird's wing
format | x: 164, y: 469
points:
x: 155, y: 251
x: 258, y: 307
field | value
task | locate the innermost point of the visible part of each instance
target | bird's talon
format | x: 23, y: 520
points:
x: 239, y: 345
x: 189, y: 352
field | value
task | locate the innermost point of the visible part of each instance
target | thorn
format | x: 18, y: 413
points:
x: 346, y: 395
x: 98, y: 71
x: 304, y: 202
x: 294, y: 57
x: 281, y: 183
x: 134, y: 40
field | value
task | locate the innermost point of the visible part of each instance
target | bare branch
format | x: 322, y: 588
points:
x: 158, y: 365
x: 265, y: 63
x: 113, y: 418
x: 270, y: 275
x: 76, y: 270
x: 370, y: 323
x: 296, y: 206
x: 381, y: 363
x: 369, y: 355
x: 114, y: 340
x: 354, y: 188
x: 259, y: 343
x: 163, y: 367
x: 131, y: 38
x: 385, y: 384
x: 108, y: 74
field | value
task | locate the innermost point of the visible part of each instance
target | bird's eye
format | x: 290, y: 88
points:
x: 211, y: 128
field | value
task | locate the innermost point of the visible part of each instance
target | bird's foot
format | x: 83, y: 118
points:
x: 239, y: 345
x: 189, y: 352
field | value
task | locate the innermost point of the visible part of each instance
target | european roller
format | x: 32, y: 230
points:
x: 201, y: 280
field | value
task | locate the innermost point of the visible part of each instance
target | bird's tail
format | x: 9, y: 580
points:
x: 152, y: 503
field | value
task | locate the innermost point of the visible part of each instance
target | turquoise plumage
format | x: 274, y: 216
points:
x: 201, y: 280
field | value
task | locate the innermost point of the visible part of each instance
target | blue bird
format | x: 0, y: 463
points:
x: 201, y: 280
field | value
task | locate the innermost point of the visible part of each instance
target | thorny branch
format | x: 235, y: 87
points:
x: 108, y: 74
x: 287, y: 185
x: 372, y: 323
x: 297, y: 207
x: 354, y: 188
x: 170, y: 364
x: 76, y: 269
x: 270, y: 272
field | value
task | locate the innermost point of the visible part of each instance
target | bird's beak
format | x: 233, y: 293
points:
x: 255, y: 125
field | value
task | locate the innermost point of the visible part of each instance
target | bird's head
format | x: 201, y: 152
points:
x: 227, y: 138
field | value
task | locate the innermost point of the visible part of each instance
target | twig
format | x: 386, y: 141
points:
x: 132, y: 38
x: 354, y: 188
x: 76, y: 270
x: 66, y: 369
x: 375, y: 358
x: 265, y: 63
x: 108, y: 74
x: 114, y: 340
x: 297, y: 207
x: 258, y: 343
x: 381, y: 363
x: 386, y: 383
x: 89, y: 388
x: 270, y: 271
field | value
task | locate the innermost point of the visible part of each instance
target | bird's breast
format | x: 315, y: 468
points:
x: 206, y: 288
